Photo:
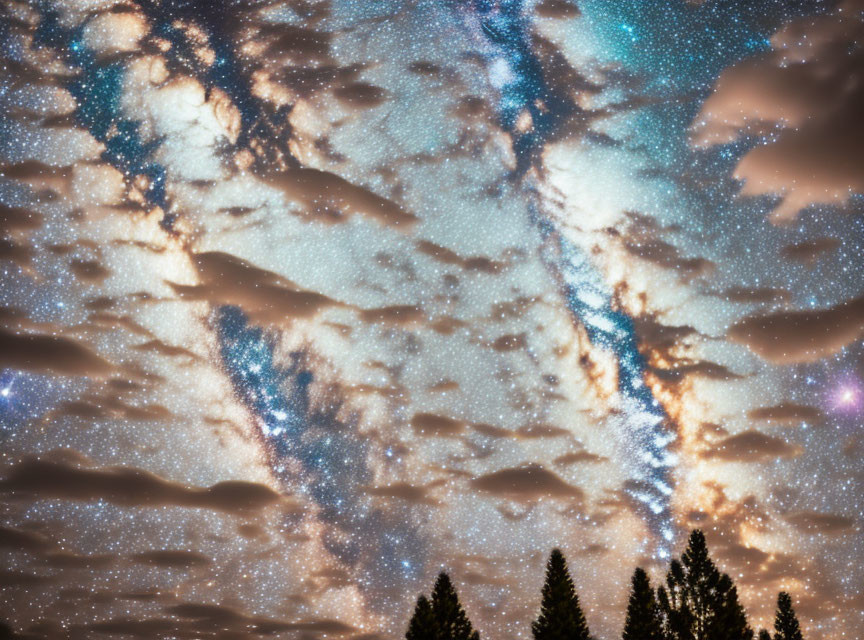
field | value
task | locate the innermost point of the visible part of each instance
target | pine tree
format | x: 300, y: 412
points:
x: 449, y: 617
x: 786, y: 625
x: 698, y: 602
x: 729, y: 621
x: 561, y: 617
x: 643, y: 617
x: 422, y: 625
x: 764, y: 635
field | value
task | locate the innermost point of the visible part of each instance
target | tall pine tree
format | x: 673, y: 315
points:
x: 786, y: 625
x: 729, y: 621
x: 561, y: 617
x: 643, y: 617
x: 698, y: 602
x: 422, y: 625
x: 450, y: 620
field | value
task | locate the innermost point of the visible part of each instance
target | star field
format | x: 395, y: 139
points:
x: 305, y: 301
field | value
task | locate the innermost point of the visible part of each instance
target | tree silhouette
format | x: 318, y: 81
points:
x: 449, y: 617
x: 561, y: 617
x: 698, y: 602
x: 643, y: 617
x: 764, y: 635
x: 422, y: 625
x: 730, y: 621
x: 786, y: 622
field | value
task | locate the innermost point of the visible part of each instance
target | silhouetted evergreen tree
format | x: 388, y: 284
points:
x: 561, y: 617
x: 451, y: 623
x: 698, y: 602
x: 643, y: 617
x: 730, y: 620
x: 764, y: 635
x: 786, y: 622
x: 422, y: 625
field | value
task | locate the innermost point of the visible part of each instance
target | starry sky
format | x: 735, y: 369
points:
x: 304, y: 301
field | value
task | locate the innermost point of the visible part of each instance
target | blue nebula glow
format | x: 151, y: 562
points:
x: 647, y: 434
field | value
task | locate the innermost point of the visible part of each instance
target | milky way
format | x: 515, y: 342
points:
x: 305, y: 301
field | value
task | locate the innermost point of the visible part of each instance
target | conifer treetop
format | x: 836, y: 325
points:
x: 561, y: 616
x: 786, y: 625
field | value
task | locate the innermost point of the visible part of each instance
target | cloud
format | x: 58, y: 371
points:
x: 808, y: 94
x: 50, y: 354
x: 69, y: 560
x: 789, y: 337
x: 528, y: 482
x: 126, y: 486
x: 666, y: 255
x: 18, y: 219
x: 821, y: 523
x: 579, y: 457
x: 757, y: 295
x: 450, y: 257
x: 89, y: 271
x: 559, y: 9
x: 786, y: 412
x: 430, y: 424
x: 327, y: 195
x: 402, y: 491
x: 266, y: 297
x: 751, y: 446
x: 808, y: 251
x: 360, y: 95
x: 174, y: 559
x: 24, y: 540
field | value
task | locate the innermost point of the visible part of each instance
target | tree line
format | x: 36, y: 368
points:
x: 696, y: 602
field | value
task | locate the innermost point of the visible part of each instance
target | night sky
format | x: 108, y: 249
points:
x: 305, y: 301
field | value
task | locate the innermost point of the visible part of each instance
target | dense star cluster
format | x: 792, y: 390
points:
x: 304, y: 302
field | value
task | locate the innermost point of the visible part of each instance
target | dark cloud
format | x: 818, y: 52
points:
x: 680, y: 368
x: 297, y: 44
x: 223, y: 617
x: 754, y: 295
x: 431, y: 424
x: 50, y: 354
x: 18, y: 219
x: 560, y: 9
x: 325, y: 193
x: 105, y: 406
x: 396, y: 314
x: 751, y: 446
x: 45, y: 479
x: 535, y: 430
x: 89, y: 271
x: 510, y: 342
x: 24, y: 540
x: 69, y: 560
x: 787, y: 412
x: 403, y: 491
x: 821, y: 523
x: 811, y: 87
x: 360, y: 95
x: 528, y: 482
x: 20, y: 579
x: 789, y: 337
x: 266, y: 297
x: 447, y: 256
x: 668, y: 256
x: 163, y: 349
x: 174, y: 558
x: 808, y: 252
x: 579, y: 457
